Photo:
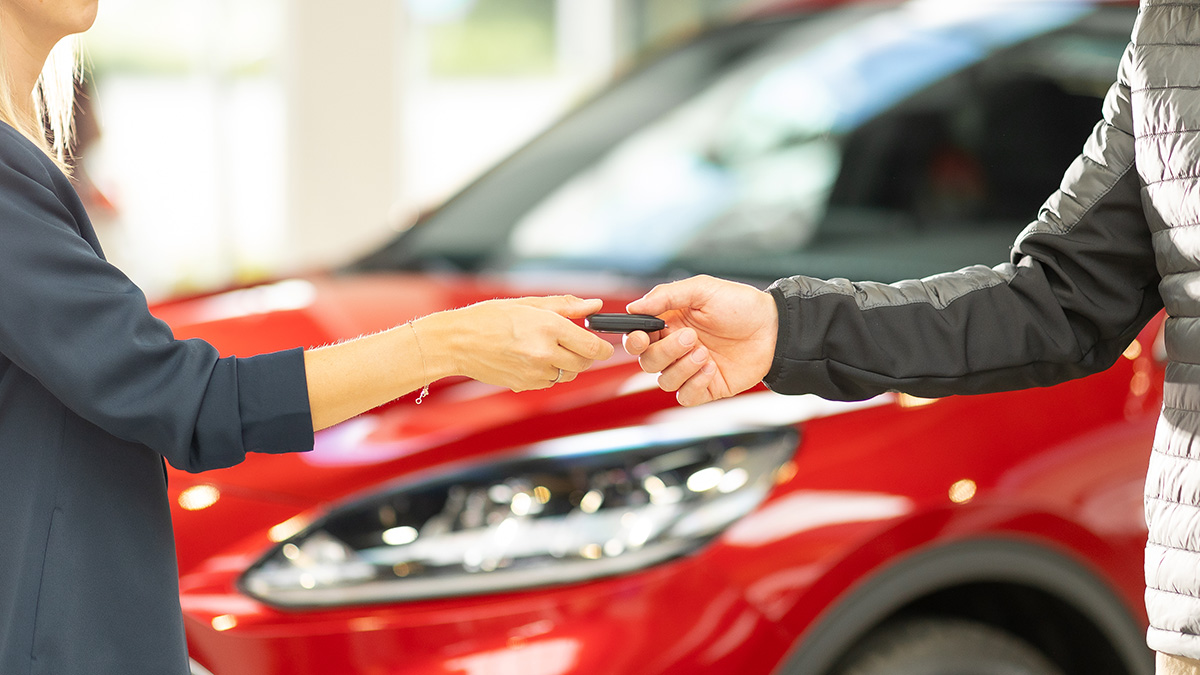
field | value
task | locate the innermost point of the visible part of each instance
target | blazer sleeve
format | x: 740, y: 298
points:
x: 84, y: 331
x: 1080, y: 284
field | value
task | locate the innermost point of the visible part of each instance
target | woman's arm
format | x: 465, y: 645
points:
x: 519, y: 343
x: 81, y: 330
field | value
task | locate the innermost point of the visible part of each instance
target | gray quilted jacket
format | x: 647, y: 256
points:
x: 1119, y: 240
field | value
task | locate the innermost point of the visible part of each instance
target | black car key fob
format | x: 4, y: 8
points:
x: 623, y: 323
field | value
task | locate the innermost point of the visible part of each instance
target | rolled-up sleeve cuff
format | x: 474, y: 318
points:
x: 273, y: 401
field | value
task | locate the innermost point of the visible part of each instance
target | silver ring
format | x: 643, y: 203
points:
x: 557, y: 378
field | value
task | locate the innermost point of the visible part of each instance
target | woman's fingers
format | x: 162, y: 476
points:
x: 567, y: 333
x: 566, y: 365
x: 530, y: 343
x: 565, y: 305
x: 559, y: 349
x: 585, y: 343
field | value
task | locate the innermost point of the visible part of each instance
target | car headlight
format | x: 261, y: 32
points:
x: 576, y: 508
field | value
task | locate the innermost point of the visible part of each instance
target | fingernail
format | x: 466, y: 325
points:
x: 700, y: 355
x: 687, y: 338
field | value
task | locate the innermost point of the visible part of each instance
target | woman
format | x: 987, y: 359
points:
x: 95, y: 392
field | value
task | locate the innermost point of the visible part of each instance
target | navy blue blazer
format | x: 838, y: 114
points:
x: 94, y: 393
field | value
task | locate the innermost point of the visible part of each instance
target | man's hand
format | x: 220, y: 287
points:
x: 719, y: 340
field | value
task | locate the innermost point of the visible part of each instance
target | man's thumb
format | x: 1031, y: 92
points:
x: 666, y: 297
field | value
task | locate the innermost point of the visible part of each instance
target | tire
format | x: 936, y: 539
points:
x: 945, y: 647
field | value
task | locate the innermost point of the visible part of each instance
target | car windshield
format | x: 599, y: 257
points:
x: 880, y: 143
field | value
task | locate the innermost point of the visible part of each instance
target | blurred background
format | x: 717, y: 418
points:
x: 234, y: 140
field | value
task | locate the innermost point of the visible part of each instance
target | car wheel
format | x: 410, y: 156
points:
x: 945, y: 647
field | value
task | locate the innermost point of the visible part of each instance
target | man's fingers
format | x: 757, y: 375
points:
x: 636, y: 342
x: 674, y: 376
x: 660, y: 355
x: 697, y: 389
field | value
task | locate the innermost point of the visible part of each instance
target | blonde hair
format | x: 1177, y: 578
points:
x: 51, y: 126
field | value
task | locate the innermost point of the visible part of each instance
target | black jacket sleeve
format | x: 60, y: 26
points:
x: 84, y: 331
x: 1081, y: 283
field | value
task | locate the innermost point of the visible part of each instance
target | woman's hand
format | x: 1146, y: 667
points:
x: 520, y: 343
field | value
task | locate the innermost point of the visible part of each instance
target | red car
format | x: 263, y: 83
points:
x: 597, y: 527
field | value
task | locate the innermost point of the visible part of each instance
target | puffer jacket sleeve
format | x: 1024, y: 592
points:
x: 1080, y: 284
x: 83, y: 330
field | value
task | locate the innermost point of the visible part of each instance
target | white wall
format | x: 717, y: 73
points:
x: 343, y: 66
x: 252, y: 138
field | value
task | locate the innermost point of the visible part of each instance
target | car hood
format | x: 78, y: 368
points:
x: 459, y: 420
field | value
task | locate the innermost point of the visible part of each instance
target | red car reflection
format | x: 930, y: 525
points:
x: 599, y: 528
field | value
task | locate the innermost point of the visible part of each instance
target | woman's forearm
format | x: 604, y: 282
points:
x: 349, y: 378
x: 522, y: 343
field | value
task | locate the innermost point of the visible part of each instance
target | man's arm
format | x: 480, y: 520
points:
x: 1081, y: 284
